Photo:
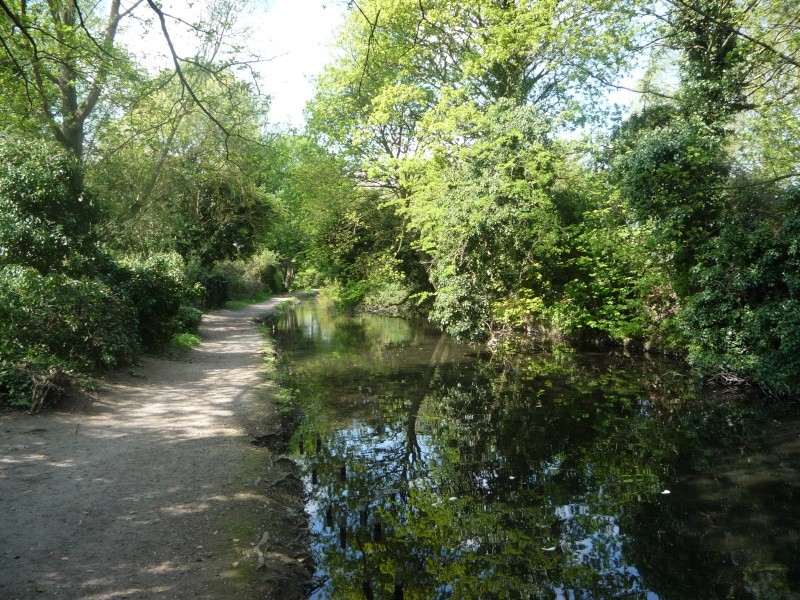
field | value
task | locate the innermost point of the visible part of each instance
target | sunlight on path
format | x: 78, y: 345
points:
x: 128, y: 497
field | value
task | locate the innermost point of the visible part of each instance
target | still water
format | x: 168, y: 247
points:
x: 435, y: 471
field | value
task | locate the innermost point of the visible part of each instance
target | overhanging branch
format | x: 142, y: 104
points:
x: 184, y: 82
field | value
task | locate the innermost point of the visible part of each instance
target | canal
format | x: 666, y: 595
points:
x: 435, y: 470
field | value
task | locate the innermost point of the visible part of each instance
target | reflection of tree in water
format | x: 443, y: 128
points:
x: 731, y: 527
x: 534, y: 480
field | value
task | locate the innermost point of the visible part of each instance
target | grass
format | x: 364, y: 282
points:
x: 184, y: 341
x: 241, y: 303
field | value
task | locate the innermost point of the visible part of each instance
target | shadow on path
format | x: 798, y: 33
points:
x: 152, y: 489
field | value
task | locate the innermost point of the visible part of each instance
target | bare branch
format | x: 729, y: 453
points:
x: 108, y: 41
x: 131, y: 9
x: 372, y: 28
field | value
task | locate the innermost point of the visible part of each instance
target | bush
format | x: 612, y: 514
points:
x: 215, y: 290
x: 54, y: 319
x: 746, y: 317
x: 342, y: 297
x: 308, y: 279
x: 158, y: 290
x: 238, y: 284
x: 259, y: 274
x: 188, y: 319
x: 45, y: 218
x: 16, y: 386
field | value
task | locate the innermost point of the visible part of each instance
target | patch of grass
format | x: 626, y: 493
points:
x: 184, y: 341
x: 90, y: 384
x: 282, y: 398
x: 241, y: 303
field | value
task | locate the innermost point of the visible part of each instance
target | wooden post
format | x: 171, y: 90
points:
x: 301, y: 443
x: 377, y: 527
x: 319, y: 443
x: 343, y: 532
x: 398, y: 584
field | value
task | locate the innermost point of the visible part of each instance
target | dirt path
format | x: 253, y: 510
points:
x: 152, y: 488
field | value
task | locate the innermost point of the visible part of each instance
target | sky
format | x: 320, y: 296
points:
x: 297, y: 35
x: 293, y: 37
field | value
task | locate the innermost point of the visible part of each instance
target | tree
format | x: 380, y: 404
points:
x: 486, y: 219
x: 46, y: 220
x: 174, y: 181
x: 712, y: 200
x: 411, y: 102
x: 59, y: 57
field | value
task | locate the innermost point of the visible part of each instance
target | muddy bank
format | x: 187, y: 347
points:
x: 153, y: 487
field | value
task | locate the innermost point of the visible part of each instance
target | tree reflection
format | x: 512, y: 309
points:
x: 540, y: 478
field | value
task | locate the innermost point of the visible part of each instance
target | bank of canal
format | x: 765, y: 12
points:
x: 434, y: 471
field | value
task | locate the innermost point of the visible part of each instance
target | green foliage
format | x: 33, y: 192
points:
x: 224, y: 223
x: 16, y: 386
x: 87, y: 325
x: 745, y: 320
x: 485, y: 217
x: 307, y: 279
x: 342, y: 298
x: 261, y: 273
x: 45, y: 217
x: 161, y: 295
x: 617, y: 289
x: 674, y: 175
x: 215, y: 289
x: 180, y: 183
x: 189, y: 317
x: 184, y: 341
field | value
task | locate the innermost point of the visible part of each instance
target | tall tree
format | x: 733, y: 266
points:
x: 61, y: 55
x: 58, y: 58
x: 174, y: 181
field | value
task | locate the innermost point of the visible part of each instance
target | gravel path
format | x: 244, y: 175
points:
x: 152, y: 487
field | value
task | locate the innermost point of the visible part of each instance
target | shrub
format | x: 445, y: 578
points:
x: 258, y: 274
x: 265, y: 266
x: 342, y: 297
x: 215, y: 289
x: 238, y: 284
x: 188, y: 319
x: 746, y: 317
x: 16, y: 386
x: 307, y: 279
x: 45, y: 218
x: 159, y: 292
x: 52, y: 319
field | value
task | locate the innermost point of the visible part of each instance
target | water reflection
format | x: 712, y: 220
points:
x: 442, y: 474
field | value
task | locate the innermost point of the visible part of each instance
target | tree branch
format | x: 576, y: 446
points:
x: 784, y: 57
x: 108, y: 41
x: 86, y: 29
x: 20, y: 26
x: 762, y: 182
x: 370, y: 41
x: 19, y: 70
x: 184, y: 82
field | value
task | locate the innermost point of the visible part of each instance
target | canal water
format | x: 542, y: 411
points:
x: 434, y: 470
